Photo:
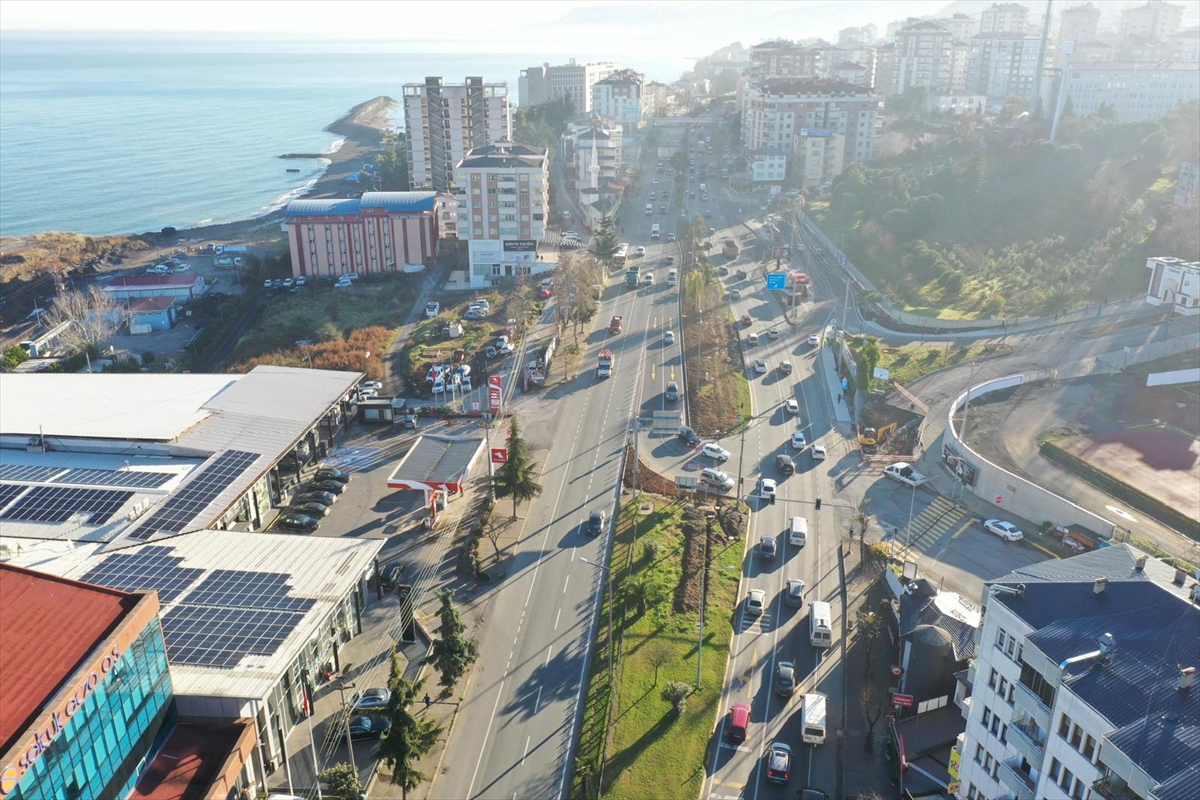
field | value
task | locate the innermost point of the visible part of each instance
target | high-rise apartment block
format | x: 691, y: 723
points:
x: 620, y: 97
x: 783, y: 59
x: 1155, y: 20
x: 1003, y: 65
x: 503, y: 192
x: 1078, y: 24
x: 1083, y: 685
x: 574, y: 82
x: 960, y: 25
x: 444, y: 121
x: 922, y: 58
x: 1012, y: 18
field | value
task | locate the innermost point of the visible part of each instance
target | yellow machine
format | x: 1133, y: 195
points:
x: 871, y: 438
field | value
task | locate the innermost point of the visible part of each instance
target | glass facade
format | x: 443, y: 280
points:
x: 112, y: 737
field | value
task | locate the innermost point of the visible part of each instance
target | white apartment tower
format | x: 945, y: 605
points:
x: 574, y: 82
x: 776, y: 111
x: 1078, y: 24
x: 503, y: 194
x: 1155, y: 20
x: 620, y: 97
x: 1083, y: 683
x: 1004, y: 18
x: 922, y: 58
x: 1003, y: 65
x: 444, y: 121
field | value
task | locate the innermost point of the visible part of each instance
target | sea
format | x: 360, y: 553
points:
x: 129, y: 133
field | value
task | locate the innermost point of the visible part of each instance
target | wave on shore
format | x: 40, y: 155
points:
x: 334, y: 146
x: 294, y: 193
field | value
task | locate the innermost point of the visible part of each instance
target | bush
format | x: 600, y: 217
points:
x: 650, y: 551
x: 677, y: 693
x: 148, y: 357
x: 342, y: 780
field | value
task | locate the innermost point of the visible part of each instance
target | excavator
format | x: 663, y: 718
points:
x: 870, y: 438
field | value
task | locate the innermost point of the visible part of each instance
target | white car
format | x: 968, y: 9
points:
x: 766, y: 488
x: 350, y: 276
x: 903, y: 472
x: 376, y: 385
x: 343, y: 284
x: 814, y: 339
x: 363, y: 394
x: 773, y: 333
x: 648, y: 279
x: 760, y: 367
x: 798, y: 440
x: 752, y: 339
x: 713, y: 450
x: 756, y: 602
x: 792, y: 407
x: 463, y: 369
x: 302, y: 281
x: 818, y: 452
x: 669, y: 337
x: 641, y: 251
x: 431, y: 309
x: 1005, y: 530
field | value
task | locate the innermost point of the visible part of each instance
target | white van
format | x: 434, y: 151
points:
x: 820, y: 624
x: 716, y: 479
x: 654, y: 231
x: 649, y: 209
x: 813, y: 718
x: 672, y: 276
x: 798, y: 532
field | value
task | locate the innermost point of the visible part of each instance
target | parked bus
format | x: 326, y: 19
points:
x: 820, y: 624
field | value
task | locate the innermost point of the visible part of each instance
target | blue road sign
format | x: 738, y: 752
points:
x: 777, y: 281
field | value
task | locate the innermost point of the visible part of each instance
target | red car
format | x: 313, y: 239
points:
x: 747, y: 321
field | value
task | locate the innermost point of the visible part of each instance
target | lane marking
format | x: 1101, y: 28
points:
x: 549, y: 650
x: 483, y: 746
x: 566, y: 582
x: 556, y: 618
x: 538, y: 702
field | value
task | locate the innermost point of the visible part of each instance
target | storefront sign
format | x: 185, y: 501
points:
x: 494, y: 393
x: 902, y: 700
x: 520, y: 246
x: 499, y: 455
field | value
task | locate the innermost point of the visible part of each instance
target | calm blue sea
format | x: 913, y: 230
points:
x: 129, y: 134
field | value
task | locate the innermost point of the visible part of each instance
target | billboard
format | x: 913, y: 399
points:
x: 494, y: 394
x: 520, y: 246
x: 777, y: 281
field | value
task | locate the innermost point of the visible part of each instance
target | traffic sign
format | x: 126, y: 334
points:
x: 777, y: 281
x: 902, y: 700
x: 499, y: 455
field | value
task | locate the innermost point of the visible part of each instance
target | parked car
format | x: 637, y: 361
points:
x: 432, y: 308
x: 755, y: 602
x: 363, y: 726
x: 314, y: 510
x: 391, y: 575
x: 294, y: 521
x: 785, y: 678
x: 474, y: 313
x: 408, y: 421
x: 814, y: 339
x: 288, y: 283
x: 768, y: 547
x: 332, y: 474
x: 1005, y: 530
x: 372, y: 699
x: 316, y: 496
x: 714, y: 451
x: 371, y: 385
x: 794, y: 594
x: 331, y: 486
x: 596, y: 523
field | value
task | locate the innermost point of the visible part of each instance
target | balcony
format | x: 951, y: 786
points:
x: 1021, y: 783
x: 1027, y: 739
x: 1111, y: 787
x: 1031, y: 705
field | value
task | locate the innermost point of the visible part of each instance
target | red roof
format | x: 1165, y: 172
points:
x: 49, y: 627
x: 144, y: 281
x: 153, y: 304
x: 189, y: 762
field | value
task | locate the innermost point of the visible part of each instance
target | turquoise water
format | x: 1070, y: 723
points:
x: 124, y: 135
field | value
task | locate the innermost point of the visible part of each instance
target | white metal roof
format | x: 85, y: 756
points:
x: 323, y: 569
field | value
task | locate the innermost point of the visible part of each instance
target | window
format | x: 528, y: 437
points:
x: 1012, y: 646
x: 1077, y: 790
x: 1089, y: 747
x: 1064, y: 780
x: 1055, y: 766
x: 987, y: 716
x: 1076, y: 737
x: 1004, y: 734
x: 978, y: 754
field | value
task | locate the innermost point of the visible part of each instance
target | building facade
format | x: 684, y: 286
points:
x: 377, y: 233
x: 503, y: 201
x: 1078, y: 24
x: 961, y: 26
x: 1132, y: 91
x: 444, y: 121
x: 1082, y: 685
x: 767, y: 166
x: 619, y: 97
x: 922, y: 58
x: 1155, y: 20
x: 1175, y: 283
x: 596, y: 149
x: 777, y: 110
x: 819, y: 156
x: 1003, y: 65
x: 181, y: 287
x: 784, y: 59
x: 572, y: 82
x: 1004, y: 18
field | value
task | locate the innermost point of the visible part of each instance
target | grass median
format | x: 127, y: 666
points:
x: 907, y: 363
x: 654, y: 750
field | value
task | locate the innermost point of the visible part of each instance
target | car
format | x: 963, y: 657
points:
x: 342, y: 283
x: 277, y: 283
x: 672, y: 391
x: 688, y: 435
x: 295, y: 521
x: 669, y: 337
x: 482, y: 302
x: 301, y: 281
x: 785, y: 678
x: 316, y: 496
x: 332, y: 474
x: 785, y: 368
x: 314, y: 510
x: 288, y: 283
x: 332, y: 487
x: 798, y: 440
x: 747, y: 320
x: 571, y: 235
x: 768, y: 547
x: 350, y: 276
x: 362, y: 726
x: 648, y: 279
x: 669, y: 260
x: 807, y: 793
x: 376, y: 385
x: 372, y: 699
x: 266, y: 283
x: 505, y: 348
x: 463, y: 369
x: 545, y: 291
x: 794, y: 593
x: 756, y: 601
x: 752, y: 339
x: 735, y: 294
x: 766, y: 488
x: 904, y: 473
x: 181, y: 268
x: 760, y: 367
x: 364, y: 394
x: 779, y: 762
x: 474, y: 314
x: 773, y: 333
x: 490, y: 352
x: 814, y: 339
x: 391, y: 575
x: 818, y: 452
x: 408, y: 421
x: 641, y: 250
x: 671, y: 237
x: 597, y: 521
x: 791, y: 406
x: 1005, y: 530
x: 784, y: 463
x: 714, y: 451
x: 432, y: 308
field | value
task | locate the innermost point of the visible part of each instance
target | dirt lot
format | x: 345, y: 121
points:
x: 714, y: 367
x: 1162, y: 462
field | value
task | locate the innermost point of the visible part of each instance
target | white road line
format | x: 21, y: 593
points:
x: 483, y: 745
x: 538, y: 702
x: 526, y: 751
x: 556, y: 618
x: 549, y: 650
x: 567, y: 581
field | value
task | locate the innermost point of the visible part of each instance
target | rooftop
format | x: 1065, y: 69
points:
x: 393, y: 202
x: 809, y: 86
x: 50, y: 625
x: 189, y: 761
x: 504, y: 154
x: 436, y: 460
x: 182, y: 280
x: 153, y: 304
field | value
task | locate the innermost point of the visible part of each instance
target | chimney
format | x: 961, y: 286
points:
x: 1186, y: 676
x: 1099, y: 585
x: 1140, y: 564
x: 1180, y: 575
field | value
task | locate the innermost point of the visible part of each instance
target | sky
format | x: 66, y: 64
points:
x: 618, y: 26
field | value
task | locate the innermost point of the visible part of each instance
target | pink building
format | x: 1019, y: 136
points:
x: 380, y: 232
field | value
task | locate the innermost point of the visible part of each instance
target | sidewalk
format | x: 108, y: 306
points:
x: 834, y: 384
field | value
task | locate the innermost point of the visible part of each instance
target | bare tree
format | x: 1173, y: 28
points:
x: 872, y: 710
x: 93, y: 318
x: 658, y: 653
x: 868, y: 625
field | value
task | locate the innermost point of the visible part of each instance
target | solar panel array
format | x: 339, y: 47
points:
x: 182, y: 507
x: 9, y: 492
x: 232, y: 587
x: 150, y: 568
x: 24, y: 472
x: 60, y: 503
x: 115, y: 477
x: 209, y: 636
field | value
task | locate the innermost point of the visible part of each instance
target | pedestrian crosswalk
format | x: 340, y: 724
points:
x: 942, y: 517
x: 759, y: 624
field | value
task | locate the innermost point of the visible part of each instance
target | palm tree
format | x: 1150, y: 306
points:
x: 637, y: 592
x: 516, y: 477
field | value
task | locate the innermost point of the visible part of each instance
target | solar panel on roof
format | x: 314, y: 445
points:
x: 221, y: 637
x: 247, y: 589
x: 27, y: 473
x: 152, y: 567
x: 115, y: 477
x: 182, y: 507
x: 9, y: 492
x: 60, y: 503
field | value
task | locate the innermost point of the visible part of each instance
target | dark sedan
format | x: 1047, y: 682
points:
x: 363, y: 726
x: 297, y: 522
x: 316, y: 510
x: 390, y: 575
x: 333, y: 487
x: 332, y: 474
x: 316, y: 496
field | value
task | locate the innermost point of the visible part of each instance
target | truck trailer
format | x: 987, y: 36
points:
x: 605, y: 368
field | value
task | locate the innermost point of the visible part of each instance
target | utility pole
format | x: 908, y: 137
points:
x: 342, y: 687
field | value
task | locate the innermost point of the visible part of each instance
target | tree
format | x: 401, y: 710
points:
x: 451, y: 651
x: 872, y: 709
x: 637, y: 592
x: 868, y: 626
x: 604, y: 240
x: 867, y: 359
x: 676, y: 693
x: 658, y: 653
x: 515, y: 478
x: 342, y: 780
x: 410, y: 736
x: 14, y: 356
x: 391, y: 165
x: 92, y: 315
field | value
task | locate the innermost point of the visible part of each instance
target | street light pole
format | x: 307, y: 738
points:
x: 342, y: 687
x: 611, y: 633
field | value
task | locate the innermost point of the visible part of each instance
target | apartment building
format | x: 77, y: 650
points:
x: 1078, y: 24
x: 1003, y: 65
x: 768, y: 165
x: 1132, y: 91
x: 1155, y: 20
x: 853, y: 36
x: 961, y: 26
x: 504, y: 193
x: 620, y: 97
x: 598, y: 137
x: 1082, y: 686
x: 574, y: 82
x: 1002, y: 18
x: 922, y: 57
x: 847, y: 63
x: 1174, y: 282
x: 784, y: 59
x: 444, y: 121
x: 818, y: 156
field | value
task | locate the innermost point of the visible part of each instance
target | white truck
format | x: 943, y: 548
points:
x: 655, y: 231
x: 903, y: 472
x: 605, y: 368
x: 813, y: 719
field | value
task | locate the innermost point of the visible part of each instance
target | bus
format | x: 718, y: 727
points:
x: 621, y: 255
x: 820, y: 624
